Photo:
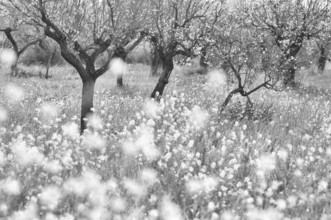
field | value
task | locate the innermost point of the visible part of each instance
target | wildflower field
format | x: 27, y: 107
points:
x: 177, y: 159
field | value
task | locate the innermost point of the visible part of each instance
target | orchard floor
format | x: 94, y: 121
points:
x: 179, y: 159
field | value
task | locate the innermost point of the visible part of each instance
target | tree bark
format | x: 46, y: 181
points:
x: 156, y: 62
x: 289, y: 76
x: 167, y: 67
x: 49, y: 63
x: 119, y: 80
x: 87, y: 102
x: 203, y: 63
x: 47, y: 68
x: 322, y: 60
x: 13, y: 68
x: 120, y: 53
x: 229, y: 97
x: 290, y: 65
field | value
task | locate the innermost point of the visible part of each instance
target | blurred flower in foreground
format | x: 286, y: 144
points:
x: 143, y: 142
x: 85, y: 184
x: 134, y: 188
x: 25, y: 155
x: 117, y: 66
x: 205, y: 185
x: 148, y: 176
x: 94, y: 141
x: 71, y: 130
x: 198, y: 117
x: 53, y: 166
x: 117, y: 204
x: 50, y: 197
x: 14, y: 93
x: 49, y: 111
x: 2, y: 159
x: 216, y: 78
x: 3, y: 114
x: 30, y: 212
x: 10, y: 187
x: 95, y: 122
x: 270, y: 214
x: 266, y: 163
x: 7, y: 57
x: 151, y: 108
x: 169, y: 210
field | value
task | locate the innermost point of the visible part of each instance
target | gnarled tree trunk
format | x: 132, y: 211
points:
x: 87, y: 102
x: 202, y: 62
x: 14, y: 69
x: 289, y: 63
x: 289, y: 76
x: 167, y: 67
x: 49, y: 60
x: 322, y: 59
x: 121, y: 54
x: 156, y: 62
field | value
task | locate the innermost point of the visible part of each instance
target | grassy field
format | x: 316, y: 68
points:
x: 179, y: 159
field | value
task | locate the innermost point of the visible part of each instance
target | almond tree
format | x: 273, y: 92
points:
x: 50, y: 53
x: 290, y: 23
x: 176, y: 28
x: 324, y: 55
x: 323, y: 42
x: 155, y: 57
x: 20, y: 35
x: 123, y: 48
x: 84, y: 30
x: 244, y: 54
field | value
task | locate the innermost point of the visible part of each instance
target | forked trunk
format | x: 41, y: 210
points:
x: 87, y: 103
x: 167, y: 67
